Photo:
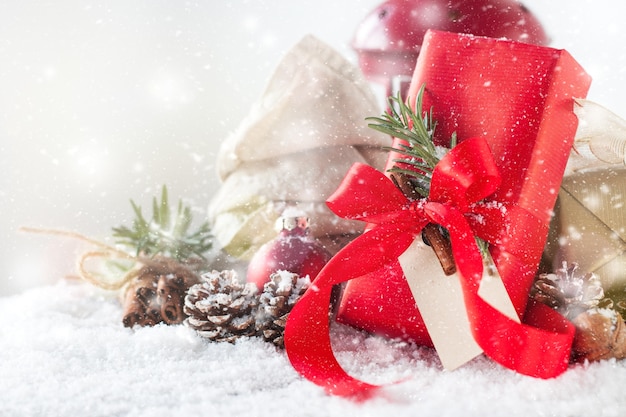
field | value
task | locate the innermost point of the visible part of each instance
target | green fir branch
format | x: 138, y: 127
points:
x: 167, y: 233
x: 417, y: 129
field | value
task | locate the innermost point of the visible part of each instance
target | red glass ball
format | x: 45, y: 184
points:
x: 388, y: 40
x: 292, y: 250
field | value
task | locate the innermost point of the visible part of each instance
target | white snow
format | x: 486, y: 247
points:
x: 131, y: 94
x: 64, y: 352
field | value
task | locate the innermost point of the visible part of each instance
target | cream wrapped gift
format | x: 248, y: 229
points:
x: 294, y: 148
x: 589, y: 226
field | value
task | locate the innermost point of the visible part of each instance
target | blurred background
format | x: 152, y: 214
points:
x: 105, y: 101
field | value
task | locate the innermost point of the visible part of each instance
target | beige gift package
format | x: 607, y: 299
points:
x: 589, y: 225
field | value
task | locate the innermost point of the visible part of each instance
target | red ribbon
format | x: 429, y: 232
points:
x: 461, y: 180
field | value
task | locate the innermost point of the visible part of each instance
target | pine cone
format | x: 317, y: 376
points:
x: 567, y: 291
x: 279, y: 296
x: 600, y: 332
x: 220, y: 308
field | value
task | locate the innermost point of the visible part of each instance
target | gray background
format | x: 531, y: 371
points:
x: 105, y: 101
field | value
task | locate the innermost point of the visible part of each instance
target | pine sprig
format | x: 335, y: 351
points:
x: 166, y: 233
x: 417, y: 128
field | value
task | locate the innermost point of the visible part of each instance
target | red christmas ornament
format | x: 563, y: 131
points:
x: 292, y: 250
x: 389, y: 39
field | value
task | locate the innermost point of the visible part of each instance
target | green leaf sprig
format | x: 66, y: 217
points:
x: 167, y: 233
x: 417, y: 129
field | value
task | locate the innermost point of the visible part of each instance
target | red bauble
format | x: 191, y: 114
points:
x: 388, y: 40
x: 292, y: 250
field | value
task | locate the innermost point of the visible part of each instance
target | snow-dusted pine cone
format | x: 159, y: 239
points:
x: 568, y: 291
x: 221, y: 308
x: 279, y: 296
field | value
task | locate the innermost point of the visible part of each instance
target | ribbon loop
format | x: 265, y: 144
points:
x: 466, y: 175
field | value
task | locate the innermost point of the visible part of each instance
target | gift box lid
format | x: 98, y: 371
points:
x: 516, y: 95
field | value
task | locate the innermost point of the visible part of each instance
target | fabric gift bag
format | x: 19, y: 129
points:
x: 515, y: 102
x: 293, y: 147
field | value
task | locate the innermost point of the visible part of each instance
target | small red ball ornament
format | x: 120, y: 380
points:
x: 388, y: 40
x: 292, y: 250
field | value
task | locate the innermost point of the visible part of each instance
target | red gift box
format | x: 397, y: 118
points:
x: 516, y: 101
x: 519, y: 98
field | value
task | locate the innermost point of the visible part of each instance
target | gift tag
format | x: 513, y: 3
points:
x: 439, y: 299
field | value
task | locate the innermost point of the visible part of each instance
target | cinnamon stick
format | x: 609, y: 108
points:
x: 171, y: 295
x: 432, y: 234
x: 157, y: 292
x: 140, y: 303
x: 442, y: 247
x: 402, y: 182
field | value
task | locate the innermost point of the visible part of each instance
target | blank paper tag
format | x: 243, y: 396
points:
x: 439, y: 299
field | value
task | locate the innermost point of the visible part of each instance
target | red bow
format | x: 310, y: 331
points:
x: 461, y: 180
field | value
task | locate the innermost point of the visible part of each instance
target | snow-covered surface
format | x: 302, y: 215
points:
x: 141, y: 94
x: 64, y: 352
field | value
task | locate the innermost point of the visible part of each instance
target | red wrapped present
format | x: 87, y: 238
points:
x: 515, y: 102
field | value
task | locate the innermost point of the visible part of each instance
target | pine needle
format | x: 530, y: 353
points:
x: 167, y: 233
x: 417, y: 129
